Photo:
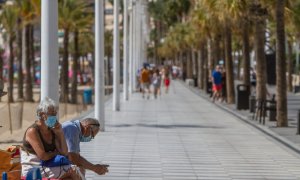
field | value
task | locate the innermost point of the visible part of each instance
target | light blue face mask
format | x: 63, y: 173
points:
x: 51, y: 121
x: 86, y: 138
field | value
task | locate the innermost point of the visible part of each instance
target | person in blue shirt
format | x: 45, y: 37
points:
x: 82, y: 131
x: 217, y: 83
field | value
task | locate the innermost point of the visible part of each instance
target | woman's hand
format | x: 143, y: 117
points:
x: 57, y: 129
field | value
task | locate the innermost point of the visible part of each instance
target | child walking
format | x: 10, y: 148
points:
x: 167, y: 83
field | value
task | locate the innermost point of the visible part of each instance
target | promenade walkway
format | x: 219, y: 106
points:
x: 183, y: 136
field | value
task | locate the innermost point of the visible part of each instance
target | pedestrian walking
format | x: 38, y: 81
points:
x: 217, y: 83
x: 156, y: 82
x: 145, y: 81
x: 167, y: 83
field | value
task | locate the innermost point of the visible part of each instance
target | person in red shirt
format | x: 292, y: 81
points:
x: 167, y: 82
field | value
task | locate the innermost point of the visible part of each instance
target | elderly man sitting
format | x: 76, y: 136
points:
x: 82, y: 131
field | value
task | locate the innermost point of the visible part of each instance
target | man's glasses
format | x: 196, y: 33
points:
x: 92, y: 133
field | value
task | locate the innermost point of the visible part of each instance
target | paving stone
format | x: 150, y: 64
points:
x: 182, y: 136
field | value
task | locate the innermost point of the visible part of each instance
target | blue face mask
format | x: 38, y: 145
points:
x: 85, y: 139
x: 51, y: 121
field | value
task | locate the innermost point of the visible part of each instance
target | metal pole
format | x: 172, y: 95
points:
x: 125, y: 51
x: 134, y: 54
x: 99, y: 64
x: 130, y: 49
x: 116, y: 54
x: 49, y: 50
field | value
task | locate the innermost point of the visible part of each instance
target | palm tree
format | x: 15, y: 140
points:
x: 108, y: 38
x: 29, y: 14
x: 68, y: 11
x: 20, y: 57
x: 259, y: 14
x: 223, y: 11
x: 1, y: 62
x: 9, y: 19
x: 82, y: 24
x: 281, y: 95
x: 229, y: 64
x: 201, y: 21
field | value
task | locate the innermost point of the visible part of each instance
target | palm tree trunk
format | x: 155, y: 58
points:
x: 246, y: 53
x: 181, y: 60
x: 229, y: 66
x: 210, y: 57
x: 108, y: 71
x: 259, y: 44
x: 205, y: 66
x: 217, y: 50
x: 290, y: 66
x: 20, y: 69
x: 75, y: 69
x: 194, y: 63
x: 200, y: 68
x: 64, y: 94
x: 11, y: 71
x: 238, y: 58
x: 189, y: 65
x: 1, y: 63
x: 93, y: 62
x: 28, y: 89
x: 281, y: 94
x: 31, y: 54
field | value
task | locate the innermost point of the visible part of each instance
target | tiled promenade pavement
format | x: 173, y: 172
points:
x: 182, y: 136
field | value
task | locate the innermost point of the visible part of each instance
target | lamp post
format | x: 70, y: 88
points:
x: 125, y: 51
x: 130, y: 11
x: 49, y: 50
x: 116, y: 63
x: 134, y: 47
x: 99, y: 64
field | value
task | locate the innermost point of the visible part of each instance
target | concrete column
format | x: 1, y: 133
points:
x: 130, y: 49
x: 99, y: 64
x: 116, y: 56
x: 125, y: 51
x: 138, y: 36
x: 49, y: 50
x: 134, y: 50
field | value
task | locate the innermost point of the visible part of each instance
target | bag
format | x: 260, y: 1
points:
x: 56, y: 161
x: 10, y: 163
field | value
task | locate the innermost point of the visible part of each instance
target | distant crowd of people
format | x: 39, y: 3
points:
x: 152, y: 79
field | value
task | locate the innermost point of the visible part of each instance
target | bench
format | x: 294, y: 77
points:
x: 261, y: 108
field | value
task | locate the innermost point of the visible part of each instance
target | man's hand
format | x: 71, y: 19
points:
x: 100, y: 169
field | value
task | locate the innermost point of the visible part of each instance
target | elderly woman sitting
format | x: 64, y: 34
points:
x: 43, y: 141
